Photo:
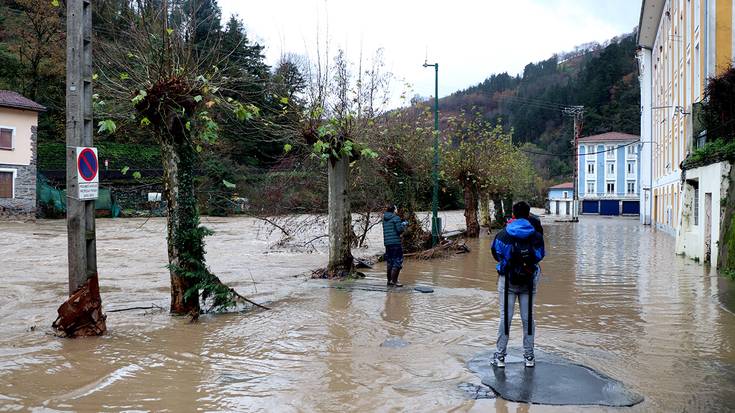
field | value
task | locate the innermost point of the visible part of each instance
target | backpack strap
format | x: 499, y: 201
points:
x: 505, y: 305
x: 530, y: 306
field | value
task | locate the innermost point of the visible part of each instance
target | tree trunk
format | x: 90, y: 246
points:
x: 498, y: 206
x: 508, y: 206
x: 414, y: 238
x: 470, y: 210
x: 340, y: 219
x: 485, y: 218
x: 183, y: 222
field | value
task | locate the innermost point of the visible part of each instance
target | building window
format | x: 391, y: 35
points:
x: 630, y: 190
x: 631, y: 150
x: 610, y: 168
x: 610, y: 188
x: 697, y: 75
x: 631, y: 168
x: 6, y: 184
x: 566, y: 194
x: 610, y: 151
x: 591, y: 168
x: 590, y: 187
x: 6, y: 139
x: 590, y: 150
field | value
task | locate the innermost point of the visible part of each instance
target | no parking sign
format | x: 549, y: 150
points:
x: 88, y: 177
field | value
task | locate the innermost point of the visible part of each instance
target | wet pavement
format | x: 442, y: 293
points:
x: 613, y: 297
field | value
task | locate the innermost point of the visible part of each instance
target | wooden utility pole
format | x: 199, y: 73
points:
x: 81, y: 315
x: 577, y: 112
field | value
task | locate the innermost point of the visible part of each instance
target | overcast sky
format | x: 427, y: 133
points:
x: 470, y: 39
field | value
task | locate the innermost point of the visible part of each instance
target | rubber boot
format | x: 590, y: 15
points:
x: 395, y: 273
x: 390, y: 276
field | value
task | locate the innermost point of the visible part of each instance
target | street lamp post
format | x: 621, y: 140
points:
x: 435, y: 173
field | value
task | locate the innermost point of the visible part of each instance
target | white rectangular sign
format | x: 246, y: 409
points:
x: 88, y: 176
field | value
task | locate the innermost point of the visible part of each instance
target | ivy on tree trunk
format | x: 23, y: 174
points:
x: 185, y: 237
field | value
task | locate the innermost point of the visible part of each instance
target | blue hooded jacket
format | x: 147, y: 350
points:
x: 517, y: 229
x: 392, y: 229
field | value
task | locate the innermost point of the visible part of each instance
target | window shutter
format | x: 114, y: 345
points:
x: 6, y: 184
x: 6, y: 139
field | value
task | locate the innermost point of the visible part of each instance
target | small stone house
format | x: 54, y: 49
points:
x: 18, y: 124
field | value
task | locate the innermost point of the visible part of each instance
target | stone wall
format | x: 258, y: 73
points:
x: 726, y: 243
x: 698, y: 236
x: 24, y: 203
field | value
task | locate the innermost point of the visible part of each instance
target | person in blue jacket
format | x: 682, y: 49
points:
x: 393, y: 227
x: 518, y: 249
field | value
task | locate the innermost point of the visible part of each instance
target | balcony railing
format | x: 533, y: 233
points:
x: 599, y: 195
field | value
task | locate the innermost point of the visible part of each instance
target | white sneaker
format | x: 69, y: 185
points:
x: 499, y: 360
x: 530, y: 361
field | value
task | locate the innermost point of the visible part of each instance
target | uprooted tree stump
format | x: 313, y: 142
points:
x: 81, y: 314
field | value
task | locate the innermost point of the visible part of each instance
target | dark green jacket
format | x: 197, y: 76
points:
x: 392, y: 229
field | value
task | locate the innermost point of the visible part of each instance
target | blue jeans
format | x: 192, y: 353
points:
x: 519, y: 293
x: 394, y: 256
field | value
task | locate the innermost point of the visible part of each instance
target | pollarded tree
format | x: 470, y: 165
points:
x: 511, y: 176
x: 152, y: 75
x: 405, y: 165
x: 340, y: 112
x: 471, y: 154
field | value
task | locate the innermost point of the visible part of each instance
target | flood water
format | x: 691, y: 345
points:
x: 613, y: 297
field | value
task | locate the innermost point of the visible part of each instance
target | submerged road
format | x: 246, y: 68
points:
x: 613, y: 297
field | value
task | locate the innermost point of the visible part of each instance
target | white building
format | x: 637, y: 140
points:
x: 682, y: 43
x: 560, y: 199
x: 18, y: 123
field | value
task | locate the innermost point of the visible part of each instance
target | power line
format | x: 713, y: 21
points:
x: 564, y: 155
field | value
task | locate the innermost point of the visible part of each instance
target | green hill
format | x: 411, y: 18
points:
x: 602, y: 78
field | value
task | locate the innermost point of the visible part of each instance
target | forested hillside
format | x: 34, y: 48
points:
x: 602, y: 78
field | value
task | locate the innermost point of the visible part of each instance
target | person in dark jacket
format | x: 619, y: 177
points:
x: 519, y: 233
x: 393, y: 227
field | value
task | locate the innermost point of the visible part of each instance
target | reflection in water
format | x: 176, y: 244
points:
x: 613, y: 297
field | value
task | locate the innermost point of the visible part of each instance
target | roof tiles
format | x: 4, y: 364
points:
x: 10, y: 99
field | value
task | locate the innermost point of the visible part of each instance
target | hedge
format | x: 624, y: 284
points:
x: 713, y: 152
x: 52, y: 156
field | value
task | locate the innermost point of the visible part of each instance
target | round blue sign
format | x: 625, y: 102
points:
x: 87, y: 165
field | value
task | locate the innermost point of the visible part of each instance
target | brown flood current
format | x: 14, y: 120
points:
x: 613, y: 297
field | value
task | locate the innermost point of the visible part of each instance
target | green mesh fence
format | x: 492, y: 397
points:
x: 53, y: 201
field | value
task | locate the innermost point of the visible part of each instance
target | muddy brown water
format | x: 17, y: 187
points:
x: 614, y: 297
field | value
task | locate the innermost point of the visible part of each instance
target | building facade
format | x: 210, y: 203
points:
x: 560, y: 199
x: 609, y: 174
x: 18, y: 123
x: 682, y: 43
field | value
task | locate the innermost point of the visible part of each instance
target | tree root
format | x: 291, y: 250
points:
x: 81, y: 314
x: 151, y: 307
x: 237, y: 295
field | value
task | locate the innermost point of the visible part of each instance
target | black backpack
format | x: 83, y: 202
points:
x: 522, y: 264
